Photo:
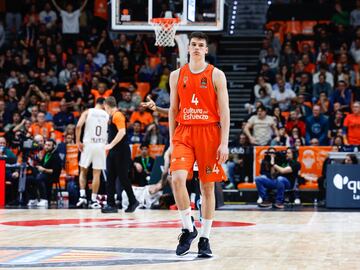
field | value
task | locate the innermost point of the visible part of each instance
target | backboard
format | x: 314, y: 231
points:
x: 196, y: 15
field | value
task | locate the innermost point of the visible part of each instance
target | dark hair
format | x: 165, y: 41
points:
x: 144, y: 144
x: 261, y: 107
x: 53, y: 142
x: 199, y: 35
x: 110, y: 101
x: 294, y: 152
x: 353, y: 158
x: 100, y: 101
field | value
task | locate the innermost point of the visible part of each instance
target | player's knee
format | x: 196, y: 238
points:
x: 207, y: 190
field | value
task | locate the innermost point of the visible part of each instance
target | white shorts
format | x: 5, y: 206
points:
x: 93, y: 153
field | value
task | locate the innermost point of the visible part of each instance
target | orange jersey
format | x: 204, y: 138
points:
x: 352, y: 122
x: 97, y: 94
x: 198, y: 102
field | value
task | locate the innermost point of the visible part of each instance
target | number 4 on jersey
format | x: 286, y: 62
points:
x: 194, y: 100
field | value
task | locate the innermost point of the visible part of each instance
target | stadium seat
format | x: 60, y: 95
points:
x: 54, y: 107
x: 143, y: 88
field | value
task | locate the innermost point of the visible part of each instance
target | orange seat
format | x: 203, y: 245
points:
x: 308, y: 27
x: 143, y: 88
x: 154, y: 61
x: 76, y: 114
x: 59, y: 136
x: 285, y: 114
x: 54, y: 107
x: 324, y: 22
x: 294, y: 27
x: 309, y: 186
x: 124, y: 84
x: 246, y: 186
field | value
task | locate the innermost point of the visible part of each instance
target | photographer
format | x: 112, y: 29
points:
x: 10, y: 158
x: 49, y: 171
x: 281, y: 175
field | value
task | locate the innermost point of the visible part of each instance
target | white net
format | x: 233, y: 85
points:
x: 165, y: 30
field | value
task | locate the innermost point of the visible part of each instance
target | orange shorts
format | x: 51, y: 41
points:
x: 200, y: 143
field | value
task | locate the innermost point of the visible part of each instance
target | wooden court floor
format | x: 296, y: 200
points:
x: 146, y: 239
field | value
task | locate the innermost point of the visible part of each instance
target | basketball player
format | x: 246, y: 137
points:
x: 92, y: 149
x: 199, y: 121
x: 118, y: 159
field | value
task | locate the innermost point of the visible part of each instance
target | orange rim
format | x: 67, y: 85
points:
x: 165, y: 20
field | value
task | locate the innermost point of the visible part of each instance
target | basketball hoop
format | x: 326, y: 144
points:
x: 165, y: 30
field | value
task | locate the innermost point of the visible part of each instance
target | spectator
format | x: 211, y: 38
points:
x: 264, y: 99
x: 141, y: 115
x: 295, y: 121
x: 340, y: 16
x: 317, y: 127
x: 272, y: 59
x: 127, y: 105
x: 48, y: 16
x: 70, y: 24
x: 143, y: 166
x: 322, y: 86
x: 352, y: 126
x: 135, y: 135
x: 336, y: 122
x: 263, y: 127
x: 341, y: 95
x: 355, y: 49
x: 323, y: 69
x: 13, y: 15
x: 355, y: 15
x: 63, y: 118
x: 154, y: 136
x: 239, y: 167
x: 278, y: 118
x: 281, y: 139
x: 49, y: 171
x: 274, y: 176
x: 283, y: 97
x: 295, y: 137
x: 324, y: 103
x: 5, y: 116
x: 41, y: 127
x: 261, y: 83
x: 288, y: 57
x: 350, y: 159
x: 302, y: 109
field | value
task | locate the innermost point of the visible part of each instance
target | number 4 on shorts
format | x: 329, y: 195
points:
x: 194, y: 100
x: 216, y: 169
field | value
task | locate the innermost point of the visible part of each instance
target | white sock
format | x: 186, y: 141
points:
x: 93, y: 196
x: 205, y: 228
x: 82, y: 193
x: 185, y: 216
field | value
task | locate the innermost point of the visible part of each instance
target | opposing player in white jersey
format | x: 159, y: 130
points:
x: 92, y: 149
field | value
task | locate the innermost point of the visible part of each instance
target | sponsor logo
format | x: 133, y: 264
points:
x: 185, y: 79
x: 343, y: 183
x: 208, y: 170
x: 203, y: 82
x: 308, y: 158
x: 195, y: 114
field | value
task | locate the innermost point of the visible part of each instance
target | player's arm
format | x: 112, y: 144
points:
x: 78, y: 130
x: 223, y: 102
x: 150, y: 104
x: 174, y: 103
x: 119, y: 121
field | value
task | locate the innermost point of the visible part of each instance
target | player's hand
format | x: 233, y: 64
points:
x: 108, y: 147
x: 150, y: 104
x: 80, y: 146
x: 222, y: 153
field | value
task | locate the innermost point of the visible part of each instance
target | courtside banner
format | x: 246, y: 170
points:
x: 311, y: 159
x: 72, y: 162
x: 343, y: 186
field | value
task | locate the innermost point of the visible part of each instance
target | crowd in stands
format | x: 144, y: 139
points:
x: 307, y: 88
x: 56, y: 59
